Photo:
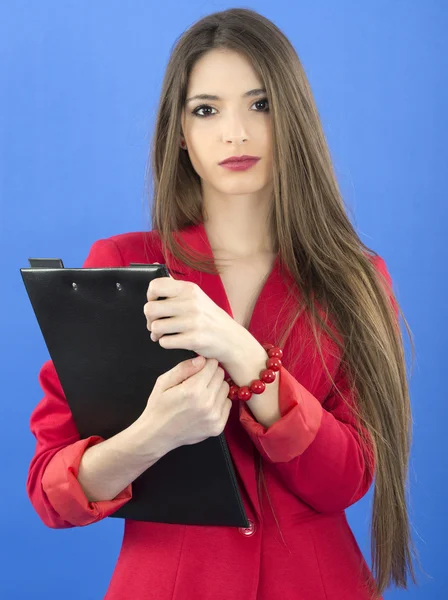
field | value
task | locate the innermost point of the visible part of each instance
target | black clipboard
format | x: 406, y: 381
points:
x: 93, y: 325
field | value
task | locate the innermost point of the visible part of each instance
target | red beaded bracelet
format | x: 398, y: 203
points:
x: 267, y: 375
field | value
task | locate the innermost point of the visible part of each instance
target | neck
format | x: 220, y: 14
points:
x: 237, y: 226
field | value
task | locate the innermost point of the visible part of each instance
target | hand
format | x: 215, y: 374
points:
x: 189, y: 403
x: 200, y: 325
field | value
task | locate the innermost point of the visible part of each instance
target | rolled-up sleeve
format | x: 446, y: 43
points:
x: 290, y: 436
x: 52, y: 484
x: 315, y: 448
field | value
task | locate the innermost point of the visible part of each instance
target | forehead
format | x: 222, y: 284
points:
x: 218, y: 69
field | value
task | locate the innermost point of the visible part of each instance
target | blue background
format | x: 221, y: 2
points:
x: 79, y: 85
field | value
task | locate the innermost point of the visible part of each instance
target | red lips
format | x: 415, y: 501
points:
x: 235, y: 159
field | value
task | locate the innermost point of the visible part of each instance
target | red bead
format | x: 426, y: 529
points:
x: 267, y: 346
x: 274, y: 364
x: 233, y: 392
x: 267, y: 375
x: 275, y: 352
x: 257, y: 386
x: 244, y: 393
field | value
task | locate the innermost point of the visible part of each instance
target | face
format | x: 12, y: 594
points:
x: 232, y: 125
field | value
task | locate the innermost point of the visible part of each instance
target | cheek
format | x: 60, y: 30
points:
x: 267, y: 140
x: 198, y: 163
x: 201, y: 153
x: 268, y: 153
x: 268, y: 158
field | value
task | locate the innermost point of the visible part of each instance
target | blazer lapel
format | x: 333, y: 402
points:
x: 273, y: 294
x: 195, y: 238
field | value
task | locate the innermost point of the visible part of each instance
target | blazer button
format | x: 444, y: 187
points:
x: 248, y: 531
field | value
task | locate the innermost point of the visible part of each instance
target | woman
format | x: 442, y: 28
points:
x: 292, y: 273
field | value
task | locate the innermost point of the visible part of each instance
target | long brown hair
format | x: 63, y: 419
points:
x: 317, y: 243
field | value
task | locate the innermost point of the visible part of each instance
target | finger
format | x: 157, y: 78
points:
x: 164, y: 287
x: 181, y: 341
x: 160, y: 309
x: 215, y: 383
x: 162, y: 326
x: 226, y: 408
x: 182, y: 371
x: 208, y: 372
x: 203, y: 374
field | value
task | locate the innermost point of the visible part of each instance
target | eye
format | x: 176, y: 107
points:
x: 207, y: 106
x: 263, y: 101
x: 202, y: 107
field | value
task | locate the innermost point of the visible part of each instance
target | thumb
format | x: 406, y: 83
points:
x: 180, y: 372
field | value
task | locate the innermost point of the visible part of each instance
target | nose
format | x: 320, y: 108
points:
x: 235, y: 139
x: 235, y: 131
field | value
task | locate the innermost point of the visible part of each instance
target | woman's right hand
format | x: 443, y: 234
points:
x: 188, y: 404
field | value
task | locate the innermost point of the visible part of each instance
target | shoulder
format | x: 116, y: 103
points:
x: 124, y: 248
x: 386, y: 281
x: 138, y: 246
x: 380, y: 265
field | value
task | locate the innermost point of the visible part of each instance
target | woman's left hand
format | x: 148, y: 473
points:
x: 200, y: 325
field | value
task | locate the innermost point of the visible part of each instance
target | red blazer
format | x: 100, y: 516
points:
x: 312, y: 462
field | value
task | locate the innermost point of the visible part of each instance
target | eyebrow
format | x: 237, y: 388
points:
x: 254, y: 92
